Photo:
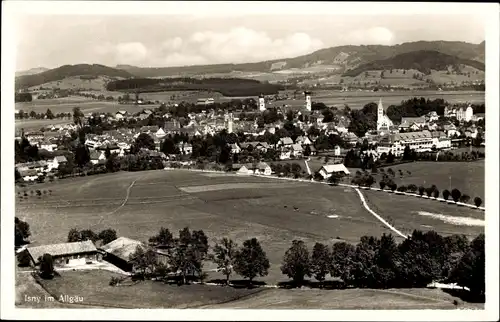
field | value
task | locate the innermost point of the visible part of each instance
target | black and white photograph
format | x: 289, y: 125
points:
x: 250, y: 160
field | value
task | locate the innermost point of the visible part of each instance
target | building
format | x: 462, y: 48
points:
x: 297, y: 150
x: 396, y: 143
x: 412, y: 123
x: 57, y: 161
x: 29, y: 174
x: 307, y: 95
x: 326, y: 171
x: 119, y: 250
x: 384, y: 123
x: 262, y: 103
x: 77, y: 253
x: 97, y: 157
x: 286, y: 142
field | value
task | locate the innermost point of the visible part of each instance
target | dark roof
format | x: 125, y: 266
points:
x: 122, y: 247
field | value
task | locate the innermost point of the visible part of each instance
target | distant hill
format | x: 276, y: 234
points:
x: 230, y: 87
x: 32, y: 71
x: 85, y: 71
x: 344, y: 57
x: 422, y: 60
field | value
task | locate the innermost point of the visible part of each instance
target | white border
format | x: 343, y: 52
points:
x: 10, y: 9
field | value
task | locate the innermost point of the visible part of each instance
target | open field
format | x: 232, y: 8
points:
x: 468, y: 177
x: 137, y: 204
x: 93, y: 286
x: 349, y: 299
x: 409, y: 213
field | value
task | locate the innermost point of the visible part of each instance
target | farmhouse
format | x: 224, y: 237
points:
x: 119, y: 250
x: 57, y: 161
x: 326, y: 171
x: 77, y: 253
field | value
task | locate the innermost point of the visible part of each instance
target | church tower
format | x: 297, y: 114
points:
x: 262, y: 103
x: 380, y: 115
x: 308, y: 100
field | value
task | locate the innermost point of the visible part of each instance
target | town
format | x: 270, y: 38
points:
x: 246, y: 137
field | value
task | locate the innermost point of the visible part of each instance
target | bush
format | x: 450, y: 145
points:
x: 478, y: 201
x: 435, y: 193
x: 446, y: 194
x: 464, y: 198
x: 456, y: 194
x: 429, y: 191
x: 382, y: 185
x: 393, y: 187
x: 421, y: 191
x: 114, y: 281
x: 412, y: 188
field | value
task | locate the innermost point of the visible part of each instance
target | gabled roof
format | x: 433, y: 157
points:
x: 61, y: 158
x: 286, y: 140
x: 122, y: 247
x: 330, y: 168
x: 61, y: 249
x: 262, y: 166
x: 297, y: 147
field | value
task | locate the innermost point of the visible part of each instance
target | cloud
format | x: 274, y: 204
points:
x: 371, y: 36
x: 237, y: 45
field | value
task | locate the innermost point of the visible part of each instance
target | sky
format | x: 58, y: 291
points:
x: 179, y: 40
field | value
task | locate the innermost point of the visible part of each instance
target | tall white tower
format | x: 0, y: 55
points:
x: 230, y: 123
x: 380, y: 115
x: 308, y: 100
x: 262, y: 103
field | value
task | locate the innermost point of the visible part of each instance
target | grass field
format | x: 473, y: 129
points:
x: 93, y: 286
x: 349, y: 299
x: 468, y: 177
x: 136, y: 205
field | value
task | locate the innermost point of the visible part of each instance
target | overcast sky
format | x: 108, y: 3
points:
x: 52, y: 41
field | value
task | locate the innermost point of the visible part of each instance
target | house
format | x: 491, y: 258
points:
x: 396, y: 143
x: 297, y: 150
x: 263, y: 168
x: 440, y: 140
x: 471, y: 132
x: 432, y: 116
x: 242, y: 169
x: 47, y: 145
x: 34, y: 137
x: 29, y: 174
x: 303, y: 140
x: 119, y: 250
x: 97, y: 157
x: 286, y: 142
x: 326, y: 171
x: 57, y: 161
x: 285, y: 153
x: 350, y: 138
x: 149, y: 129
x: 235, y: 149
x: 413, y: 123
x: 77, y: 253
x: 185, y: 148
x: 160, y: 133
x: 451, y: 130
x: 120, y: 115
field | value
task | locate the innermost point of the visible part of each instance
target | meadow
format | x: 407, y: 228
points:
x: 276, y: 212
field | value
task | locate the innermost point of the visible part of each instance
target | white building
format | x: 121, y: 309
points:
x: 383, y: 121
x: 326, y: 171
x: 308, y: 100
x: 419, y: 141
x: 262, y: 103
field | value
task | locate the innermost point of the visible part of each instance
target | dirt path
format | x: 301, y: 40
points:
x: 377, y: 216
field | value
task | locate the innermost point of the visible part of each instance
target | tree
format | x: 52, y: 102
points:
x: 478, y: 201
x: 82, y: 155
x: 107, y: 152
x: 251, y: 260
x: 320, y: 261
x: 307, y: 151
x: 342, y: 261
x: 47, y: 266
x: 164, y: 239
x: 464, y: 198
x: 296, y: 262
x: 456, y: 194
x: 77, y: 116
x: 335, y: 178
x: 88, y: 234
x: 107, y: 235
x: 412, y: 188
x: 393, y: 187
x: 429, y: 191
x: 23, y: 259
x: 224, y: 255
x: 143, y: 260
x: 22, y: 231
x: 435, y: 193
x: 421, y: 191
x: 73, y: 235
x: 390, y: 157
x: 143, y: 141
x: 470, y: 270
x: 446, y: 194
x: 49, y: 114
